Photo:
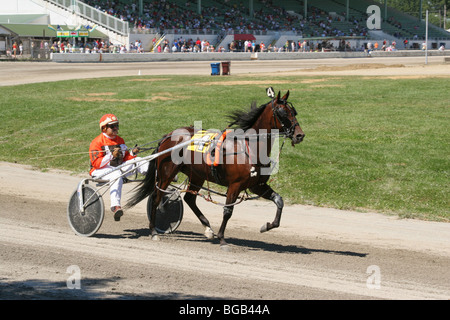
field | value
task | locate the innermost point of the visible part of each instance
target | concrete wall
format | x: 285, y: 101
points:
x: 228, y: 56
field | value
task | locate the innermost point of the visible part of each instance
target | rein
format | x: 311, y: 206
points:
x: 142, y: 149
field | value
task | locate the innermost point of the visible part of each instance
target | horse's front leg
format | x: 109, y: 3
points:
x: 227, y: 212
x: 266, y: 192
x: 278, y: 200
x: 232, y: 194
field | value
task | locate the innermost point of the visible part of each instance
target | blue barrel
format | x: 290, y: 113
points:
x: 215, y: 69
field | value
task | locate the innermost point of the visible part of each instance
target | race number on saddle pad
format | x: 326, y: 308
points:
x: 204, y: 140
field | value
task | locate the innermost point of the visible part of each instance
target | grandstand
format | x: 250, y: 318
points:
x: 157, y: 23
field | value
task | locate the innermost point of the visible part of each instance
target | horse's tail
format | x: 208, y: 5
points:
x: 146, y: 187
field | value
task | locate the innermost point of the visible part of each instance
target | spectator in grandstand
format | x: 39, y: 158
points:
x: 369, y: 48
x: 304, y: 45
x: 262, y: 47
x: 405, y: 43
x: 233, y: 46
x: 112, y: 48
x: 203, y: 45
x: 138, y: 45
x: 32, y: 50
x: 245, y: 45
x: 14, y: 50
x: 174, y: 15
x: 248, y: 46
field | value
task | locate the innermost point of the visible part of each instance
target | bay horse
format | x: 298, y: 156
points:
x: 237, y: 163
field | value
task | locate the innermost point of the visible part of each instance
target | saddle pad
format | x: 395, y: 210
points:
x: 206, y: 138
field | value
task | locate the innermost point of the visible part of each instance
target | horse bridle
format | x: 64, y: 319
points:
x: 288, y: 130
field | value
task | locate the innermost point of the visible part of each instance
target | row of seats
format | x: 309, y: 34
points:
x: 267, y: 15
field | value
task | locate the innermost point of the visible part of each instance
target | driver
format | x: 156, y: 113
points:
x: 107, y: 151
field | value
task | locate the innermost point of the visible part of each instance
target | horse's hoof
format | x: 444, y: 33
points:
x: 225, y: 247
x: 156, y: 237
x: 209, y: 233
x: 264, y: 228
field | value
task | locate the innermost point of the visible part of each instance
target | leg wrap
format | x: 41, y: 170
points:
x: 228, y: 211
x: 277, y: 199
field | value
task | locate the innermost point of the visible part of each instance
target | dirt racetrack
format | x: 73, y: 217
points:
x: 317, y: 253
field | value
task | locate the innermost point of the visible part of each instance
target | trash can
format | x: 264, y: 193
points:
x: 215, y: 69
x: 226, y: 67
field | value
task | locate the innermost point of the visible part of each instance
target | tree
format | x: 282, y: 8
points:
x: 417, y: 7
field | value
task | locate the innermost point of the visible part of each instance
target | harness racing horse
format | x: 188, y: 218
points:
x: 240, y: 162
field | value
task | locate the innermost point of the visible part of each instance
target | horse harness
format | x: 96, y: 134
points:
x: 289, y: 129
x: 279, y: 114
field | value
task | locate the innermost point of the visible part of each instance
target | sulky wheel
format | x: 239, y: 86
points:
x: 88, y: 222
x: 169, y: 212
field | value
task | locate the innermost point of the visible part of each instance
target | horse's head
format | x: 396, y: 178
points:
x: 284, y: 115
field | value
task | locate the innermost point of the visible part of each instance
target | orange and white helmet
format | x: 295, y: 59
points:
x: 108, y: 119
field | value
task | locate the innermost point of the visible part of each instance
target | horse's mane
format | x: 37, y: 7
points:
x: 245, y: 119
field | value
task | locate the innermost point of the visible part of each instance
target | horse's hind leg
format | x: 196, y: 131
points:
x: 155, y: 202
x: 267, y: 193
x: 190, y: 198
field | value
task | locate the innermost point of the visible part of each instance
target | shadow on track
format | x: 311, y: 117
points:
x: 180, y: 235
